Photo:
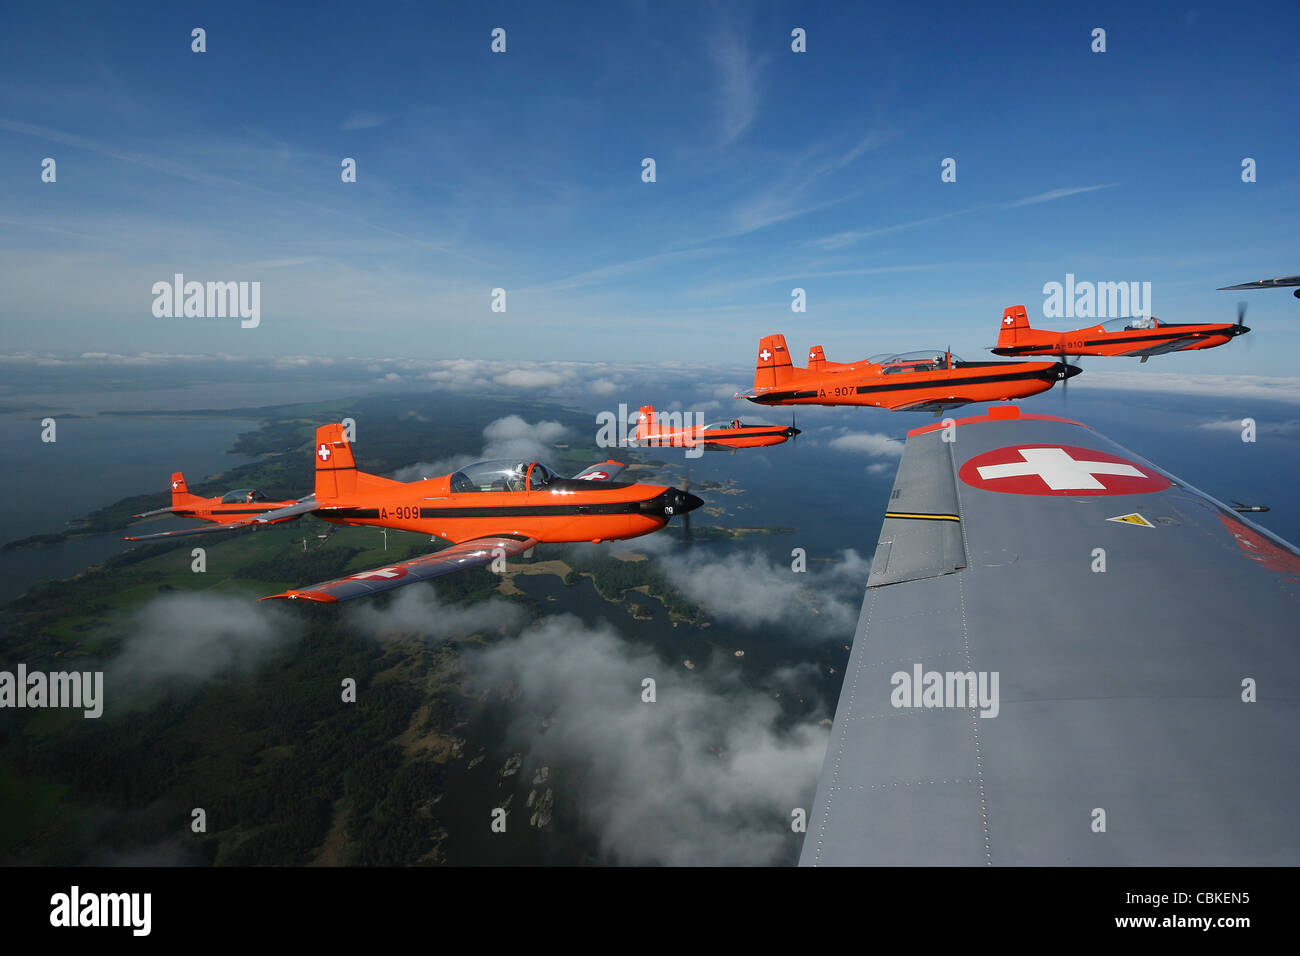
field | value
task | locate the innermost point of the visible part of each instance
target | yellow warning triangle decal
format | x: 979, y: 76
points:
x: 1134, y: 518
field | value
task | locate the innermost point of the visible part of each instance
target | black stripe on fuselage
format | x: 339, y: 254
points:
x: 1111, y: 340
x: 723, y: 435
x: 1048, y: 374
x: 497, y: 511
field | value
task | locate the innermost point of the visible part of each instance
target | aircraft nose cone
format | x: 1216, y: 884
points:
x: 1069, y: 371
x: 672, y: 501
x: 1240, y: 330
x: 792, y: 431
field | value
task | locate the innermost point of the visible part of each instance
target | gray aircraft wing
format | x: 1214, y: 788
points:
x: 1065, y: 656
x: 1279, y: 282
x: 473, y: 553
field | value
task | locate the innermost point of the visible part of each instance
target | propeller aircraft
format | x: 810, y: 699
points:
x: 234, y: 507
x: 909, y: 381
x: 1136, y: 336
x: 733, y: 434
x: 489, y: 510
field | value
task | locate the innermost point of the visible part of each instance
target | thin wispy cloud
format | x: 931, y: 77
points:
x: 365, y: 121
x: 105, y: 149
x: 842, y: 239
x: 276, y: 263
x: 1052, y: 194
x: 619, y: 270
x: 739, y: 74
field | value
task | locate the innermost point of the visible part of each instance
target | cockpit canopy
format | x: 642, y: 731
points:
x: 502, y: 474
x: 927, y: 360
x: 724, y: 426
x: 1130, y: 322
x: 242, y: 496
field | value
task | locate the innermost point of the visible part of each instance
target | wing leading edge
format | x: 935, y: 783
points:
x: 1116, y: 676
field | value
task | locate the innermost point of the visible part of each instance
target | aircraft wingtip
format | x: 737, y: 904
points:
x: 317, y: 597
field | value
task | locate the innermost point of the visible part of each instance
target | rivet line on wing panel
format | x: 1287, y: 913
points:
x: 975, y: 728
x: 909, y: 783
x: 912, y: 659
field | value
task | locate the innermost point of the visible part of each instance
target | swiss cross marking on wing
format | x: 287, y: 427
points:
x: 379, y: 574
x: 1059, y: 470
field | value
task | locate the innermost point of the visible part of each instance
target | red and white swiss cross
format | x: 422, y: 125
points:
x: 1059, y: 470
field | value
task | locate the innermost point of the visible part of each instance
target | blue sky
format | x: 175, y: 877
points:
x: 522, y: 170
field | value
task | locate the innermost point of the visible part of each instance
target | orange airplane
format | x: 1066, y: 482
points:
x: 1142, y: 336
x: 231, y: 508
x: 489, y: 510
x: 650, y: 431
x: 913, y: 381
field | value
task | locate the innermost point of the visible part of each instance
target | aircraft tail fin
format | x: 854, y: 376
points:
x: 772, y: 366
x: 336, y: 469
x: 816, y: 358
x: 647, y: 425
x: 181, y: 496
x: 1015, y: 323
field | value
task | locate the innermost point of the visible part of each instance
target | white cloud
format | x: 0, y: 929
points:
x: 416, y: 612
x: 193, y: 637
x: 873, y: 444
x: 1271, y: 388
x: 508, y: 437
x: 705, y: 775
x: 1287, y: 429
x: 529, y: 378
x: 746, y: 588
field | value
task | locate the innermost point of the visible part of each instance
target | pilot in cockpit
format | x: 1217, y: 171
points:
x: 516, y: 478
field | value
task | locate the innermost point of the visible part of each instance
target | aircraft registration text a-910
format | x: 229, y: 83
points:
x: 1136, y: 336
x: 910, y: 381
x: 489, y: 510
